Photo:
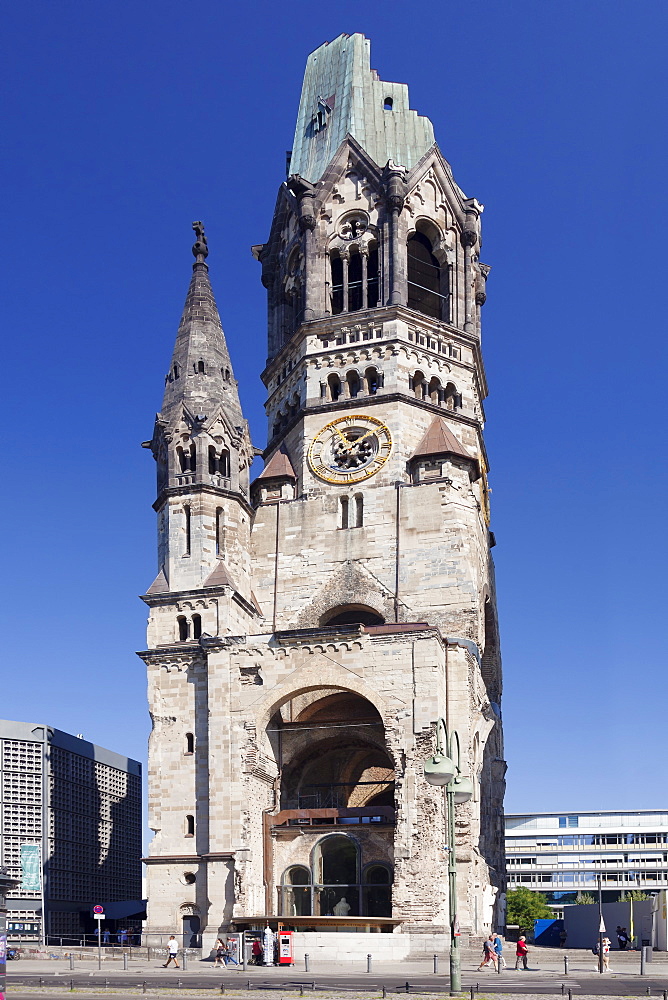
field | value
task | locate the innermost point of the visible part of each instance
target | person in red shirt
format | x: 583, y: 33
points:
x: 521, y: 952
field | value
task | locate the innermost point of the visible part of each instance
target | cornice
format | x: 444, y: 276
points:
x: 194, y: 488
x: 172, y: 859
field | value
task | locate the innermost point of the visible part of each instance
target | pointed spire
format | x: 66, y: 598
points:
x: 200, y: 375
x: 279, y: 466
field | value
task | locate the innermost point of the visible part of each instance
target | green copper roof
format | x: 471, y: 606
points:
x: 342, y: 95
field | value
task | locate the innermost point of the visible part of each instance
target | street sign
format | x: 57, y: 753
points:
x: 98, y: 911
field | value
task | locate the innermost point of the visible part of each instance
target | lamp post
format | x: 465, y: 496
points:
x: 443, y: 771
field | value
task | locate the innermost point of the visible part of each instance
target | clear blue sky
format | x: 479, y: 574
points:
x: 124, y: 122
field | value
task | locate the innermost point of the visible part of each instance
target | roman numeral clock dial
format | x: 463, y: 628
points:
x: 350, y: 449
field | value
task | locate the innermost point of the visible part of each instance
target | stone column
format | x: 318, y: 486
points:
x: 345, y: 257
x: 364, y: 253
x: 395, y: 192
x: 469, y: 238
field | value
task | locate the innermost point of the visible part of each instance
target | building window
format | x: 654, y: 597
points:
x: 388, y: 104
x: 220, y: 527
x: 334, y: 387
x: 190, y: 743
x: 359, y: 510
x: 190, y: 826
x: 344, y: 505
x: 424, y: 277
x: 197, y: 626
x: 187, y: 515
x: 182, y: 623
x: 200, y: 367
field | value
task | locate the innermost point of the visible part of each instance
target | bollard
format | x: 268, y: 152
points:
x: 472, y: 993
x: 222, y: 987
x: 499, y: 964
x: 248, y: 984
x: 563, y: 989
x: 642, y: 961
x: 565, y: 965
x: 125, y: 962
x: 306, y: 958
x: 301, y: 989
x: 313, y: 984
x: 71, y: 961
x: 665, y: 995
x: 71, y: 986
x: 385, y: 992
x: 435, y: 964
x: 41, y: 981
x: 179, y: 984
x: 407, y: 987
x: 143, y: 987
x: 649, y: 991
x: 368, y: 963
x: 570, y: 994
x: 185, y: 959
x: 106, y: 984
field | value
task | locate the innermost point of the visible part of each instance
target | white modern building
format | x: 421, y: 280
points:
x: 563, y: 854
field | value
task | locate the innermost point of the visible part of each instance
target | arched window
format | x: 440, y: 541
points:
x: 182, y: 623
x: 212, y: 460
x: 334, y: 387
x: 190, y: 743
x: 186, y: 511
x: 220, y: 527
x: 452, y: 398
x: 418, y: 384
x: 296, y: 892
x: 435, y: 391
x: 373, y: 381
x: 344, y: 504
x: 200, y: 367
x: 372, y: 277
x: 355, y: 281
x: 388, y: 104
x: 377, y: 891
x: 175, y: 371
x: 352, y: 614
x: 182, y: 460
x: 354, y: 384
x: 424, y: 277
x: 359, y: 510
x: 336, y: 871
x: 336, y: 265
x: 197, y: 626
x: 190, y: 826
x: 224, y: 463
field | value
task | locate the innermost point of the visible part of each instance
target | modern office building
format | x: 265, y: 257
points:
x: 81, y: 805
x: 564, y: 854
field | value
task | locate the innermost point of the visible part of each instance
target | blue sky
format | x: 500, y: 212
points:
x: 126, y: 122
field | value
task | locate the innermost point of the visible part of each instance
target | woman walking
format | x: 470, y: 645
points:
x: 521, y: 952
x: 488, y: 954
x: 220, y: 955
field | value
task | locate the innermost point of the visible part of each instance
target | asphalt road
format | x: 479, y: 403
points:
x: 509, y: 982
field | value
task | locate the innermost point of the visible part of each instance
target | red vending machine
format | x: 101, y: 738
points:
x: 285, y: 953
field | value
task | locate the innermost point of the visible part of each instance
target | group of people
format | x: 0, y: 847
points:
x: 492, y: 953
x: 225, y: 953
x: 623, y: 938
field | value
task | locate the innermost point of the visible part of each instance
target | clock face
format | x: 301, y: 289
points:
x: 350, y: 449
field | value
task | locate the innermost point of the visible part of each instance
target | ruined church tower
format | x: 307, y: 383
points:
x: 308, y: 630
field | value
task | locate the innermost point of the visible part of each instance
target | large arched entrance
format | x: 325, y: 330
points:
x: 337, y: 787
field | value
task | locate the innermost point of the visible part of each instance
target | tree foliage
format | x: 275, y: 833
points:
x: 637, y: 895
x: 525, y: 906
x: 584, y: 897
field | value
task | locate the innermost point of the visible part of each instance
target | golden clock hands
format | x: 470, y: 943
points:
x: 368, y: 434
x: 345, y: 440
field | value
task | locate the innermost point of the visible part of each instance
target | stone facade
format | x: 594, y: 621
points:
x: 308, y: 630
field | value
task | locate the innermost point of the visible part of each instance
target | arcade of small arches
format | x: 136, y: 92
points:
x: 336, y: 883
x: 189, y: 628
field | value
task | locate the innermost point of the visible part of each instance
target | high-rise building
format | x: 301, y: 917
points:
x: 308, y: 630
x: 81, y: 805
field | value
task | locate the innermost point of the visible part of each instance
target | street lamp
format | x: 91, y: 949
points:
x: 443, y: 771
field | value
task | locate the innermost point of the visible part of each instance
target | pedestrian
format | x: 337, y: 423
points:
x: 219, y: 960
x: 256, y: 951
x: 231, y: 952
x: 172, y: 952
x: 521, y: 952
x: 563, y: 934
x: 106, y: 936
x: 488, y: 954
x: 622, y: 938
x: 606, y: 954
x: 498, y: 950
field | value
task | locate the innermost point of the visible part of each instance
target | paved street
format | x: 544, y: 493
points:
x: 546, y: 976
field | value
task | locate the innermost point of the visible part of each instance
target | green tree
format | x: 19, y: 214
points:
x: 525, y: 906
x: 637, y: 895
x: 584, y: 897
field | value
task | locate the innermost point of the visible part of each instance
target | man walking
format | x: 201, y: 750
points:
x: 172, y: 951
x: 521, y: 952
x: 498, y: 949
